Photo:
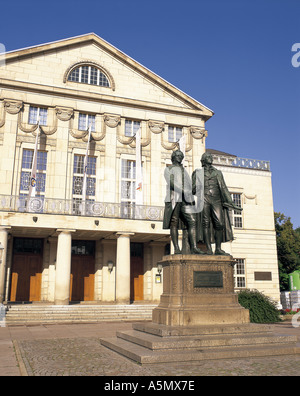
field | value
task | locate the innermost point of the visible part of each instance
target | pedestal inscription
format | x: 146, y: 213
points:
x: 208, y: 279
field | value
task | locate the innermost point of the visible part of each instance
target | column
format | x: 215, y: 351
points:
x: 123, y: 268
x: 158, y: 251
x: 3, y: 240
x: 108, y: 292
x: 111, y: 173
x: 157, y: 172
x: 63, y: 267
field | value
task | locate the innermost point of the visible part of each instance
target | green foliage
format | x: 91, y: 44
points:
x: 288, y: 248
x: 261, y: 308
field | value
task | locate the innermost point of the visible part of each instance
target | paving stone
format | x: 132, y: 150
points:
x: 75, y: 350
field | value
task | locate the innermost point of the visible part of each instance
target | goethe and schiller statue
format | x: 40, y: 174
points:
x: 199, y: 206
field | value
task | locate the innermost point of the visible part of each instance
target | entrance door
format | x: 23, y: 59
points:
x: 26, y: 278
x: 82, y: 278
x: 136, y: 272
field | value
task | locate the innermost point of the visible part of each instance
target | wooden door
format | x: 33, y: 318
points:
x: 26, y: 277
x: 136, y: 279
x: 82, y: 278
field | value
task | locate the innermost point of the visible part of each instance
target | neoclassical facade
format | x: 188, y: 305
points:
x: 92, y: 232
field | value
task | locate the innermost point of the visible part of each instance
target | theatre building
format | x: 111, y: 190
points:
x: 99, y: 128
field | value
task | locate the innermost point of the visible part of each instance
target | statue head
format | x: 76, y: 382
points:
x: 177, y: 156
x: 206, y: 159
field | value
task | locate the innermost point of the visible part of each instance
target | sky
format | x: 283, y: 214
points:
x: 233, y: 56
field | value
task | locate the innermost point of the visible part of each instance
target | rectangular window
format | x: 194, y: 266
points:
x: 85, y: 120
x: 131, y: 127
x: 237, y: 216
x: 28, y: 245
x: 128, y: 188
x: 83, y: 248
x: 78, y: 174
x: 27, y: 159
x: 239, y: 274
x: 37, y: 114
x: 174, y: 133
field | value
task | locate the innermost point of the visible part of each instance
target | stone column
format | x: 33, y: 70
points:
x: 123, y: 268
x: 3, y: 240
x: 111, y: 131
x: 63, y: 267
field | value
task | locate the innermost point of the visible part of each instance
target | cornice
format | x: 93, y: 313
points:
x: 95, y: 97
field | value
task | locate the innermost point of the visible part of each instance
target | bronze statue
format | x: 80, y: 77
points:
x: 180, y: 205
x: 213, y: 221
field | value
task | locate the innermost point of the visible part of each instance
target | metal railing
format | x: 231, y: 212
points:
x: 123, y: 210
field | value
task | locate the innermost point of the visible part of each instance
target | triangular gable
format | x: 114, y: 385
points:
x: 93, y: 39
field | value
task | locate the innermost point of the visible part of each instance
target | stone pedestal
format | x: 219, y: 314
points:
x: 198, y: 318
x: 198, y: 290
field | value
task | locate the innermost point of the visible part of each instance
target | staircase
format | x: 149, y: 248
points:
x: 49, y: 314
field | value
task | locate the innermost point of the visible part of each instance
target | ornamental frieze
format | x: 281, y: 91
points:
x: 64, y: 113
x: 198, y: 132
x: 156, y: 126
x: 31, y: 128
x: 79, y: 134
x: 112, y: 120
x: 13, y: 106
x: 2, y: 115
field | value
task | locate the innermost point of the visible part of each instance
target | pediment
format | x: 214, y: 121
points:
x: 48, y: 64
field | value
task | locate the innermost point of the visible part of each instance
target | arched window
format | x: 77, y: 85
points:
x: 88, y: 74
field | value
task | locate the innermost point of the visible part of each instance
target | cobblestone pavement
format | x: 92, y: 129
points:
x: 75, y: 350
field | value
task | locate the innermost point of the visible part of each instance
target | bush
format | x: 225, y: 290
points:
x: 261, y: 308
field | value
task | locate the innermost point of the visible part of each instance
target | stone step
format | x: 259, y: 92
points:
x: 191, y: 343
x: 175, y: 331
x: 21, y: 314
x: 82, y: 307
x: 156, y: 343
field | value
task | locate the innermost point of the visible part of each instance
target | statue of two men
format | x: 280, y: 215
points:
x: 204, y: 219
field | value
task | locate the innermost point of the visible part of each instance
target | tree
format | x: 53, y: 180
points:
x: 288, y: 248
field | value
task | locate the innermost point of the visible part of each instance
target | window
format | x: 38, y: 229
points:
x: 237, y: 216
x: 128, y: 175
x: 174, y: 133
x: 28, y: 245
x: 85, y: 120
x: 37, y: 114
x: 78, y: 172
x: 89, y: 75
x: 131, y: 127
x: 83, y: 248
x: 26, y: 174
x: 239, y: 274
x: 128, y: 180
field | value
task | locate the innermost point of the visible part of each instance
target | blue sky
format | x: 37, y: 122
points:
x: 233, y: 56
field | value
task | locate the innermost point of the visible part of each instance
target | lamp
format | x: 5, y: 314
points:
x: 110, y: 265
x: 159, y: 268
